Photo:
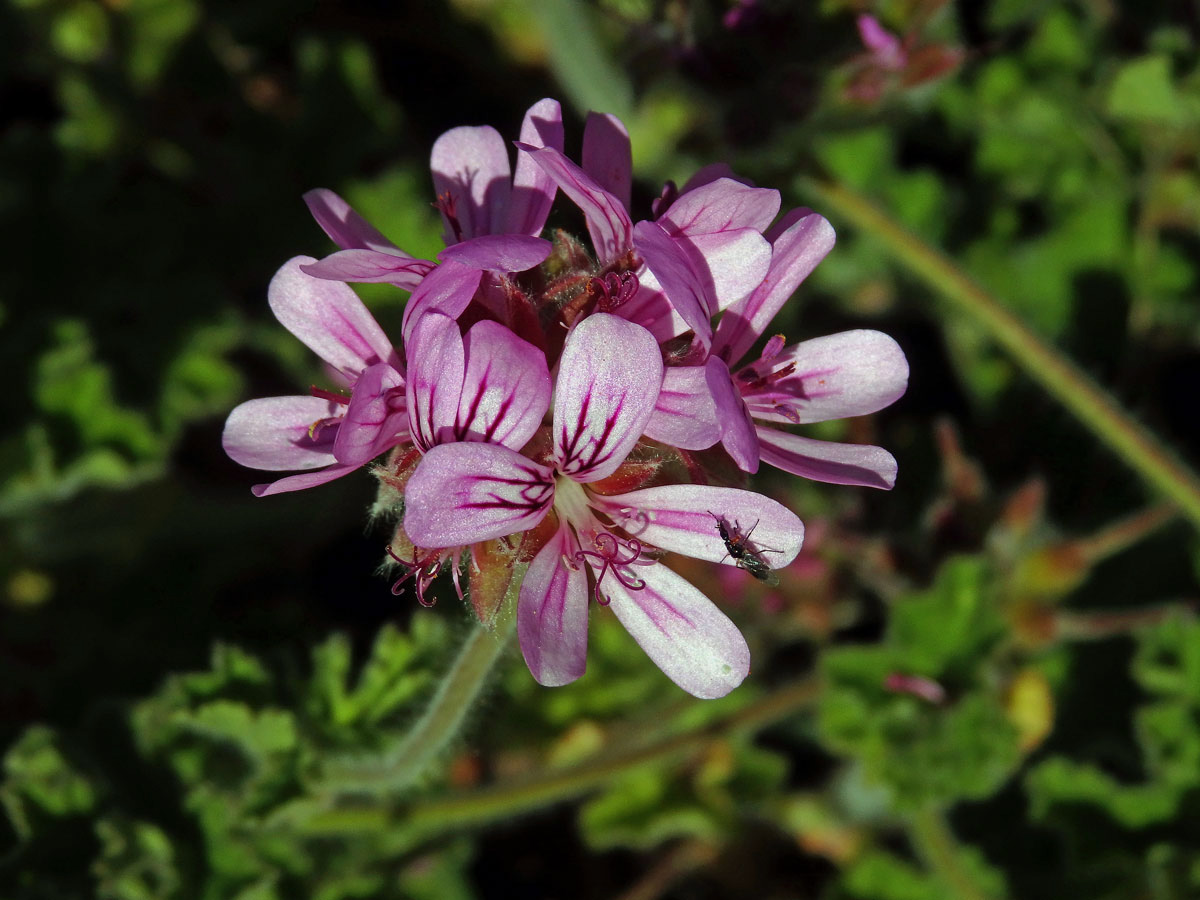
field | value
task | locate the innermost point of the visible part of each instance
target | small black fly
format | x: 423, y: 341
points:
x: 745, y: 554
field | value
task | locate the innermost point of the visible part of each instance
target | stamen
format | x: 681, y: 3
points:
x: 423, y: 572
x: 607, y: 556
x: 773, y: 347
x: 613, y: 290
x: 663, y: 201
x: 445, y: 204
x: 331, y: 396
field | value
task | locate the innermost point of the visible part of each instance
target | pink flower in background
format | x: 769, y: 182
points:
x: 893, y: 62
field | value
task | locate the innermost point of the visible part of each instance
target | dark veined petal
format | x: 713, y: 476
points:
x: 466, y: 492
x: 858, y: 464
x: 506, y: 389
x: 552, y: 613
x: 376, y: 418
x: 609, y: 377
x: 435, y: 379
x: 680, y: 629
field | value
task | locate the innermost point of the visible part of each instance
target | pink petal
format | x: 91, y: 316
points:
x: 858, y: 464
x: 608, y: 222
x: 329, y: 318
x: 795, y: 252
x: 882, y: 43
x: 692, y: 641
x: 721, y: 205
x: 607, y: 156
x: 371, y: 266
x: 552, y: 613
x: 272, y: 433
x: 345, y: 227
x: 681, y: 518
x: 499, y: 252
x: 651, y: 309
x: 376, y: 418
x: 506, y: 390
x: 533, y: 190
x: 470, y: 164
x: 737, y: 430
x: 681, y: 283
x: 852, y: 373
x: 685, y: 415
x: 435, y: 379
x: 448, y: 289
x: 466, y: 492
x: 731, y: 264
x: 609, y: 377
x: 302, y: 481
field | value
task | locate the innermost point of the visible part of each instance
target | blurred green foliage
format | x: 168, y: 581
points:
x: 207, y: 696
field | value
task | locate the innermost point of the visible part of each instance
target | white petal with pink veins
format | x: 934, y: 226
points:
x: 851, y: 373
x: 329, y: 318
x: 552, y: 613
x: 683, y: 518
x: 470, y: 164
x: 692, y: 641
x: 506, y: 388
x: 609, y: 376
x: 467, y: 492
x: 272, y: 433
x: 858, y: 464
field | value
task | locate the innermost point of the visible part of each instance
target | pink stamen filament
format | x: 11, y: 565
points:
x: 445, y: 204
x: 423, y: 572
x: 331, y: 396
x: 607, y: 556
x: 613, y: 290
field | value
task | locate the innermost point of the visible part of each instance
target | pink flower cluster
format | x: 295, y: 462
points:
x: 547, y: 398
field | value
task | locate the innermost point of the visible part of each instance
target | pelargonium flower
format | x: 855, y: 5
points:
x: 488, y: 384
x: 492, y: 463
x: 462, y: 493
x: 491, y: 221
x: 848, y: 374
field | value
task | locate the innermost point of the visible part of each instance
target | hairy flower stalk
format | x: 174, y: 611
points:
x: 536, y: 409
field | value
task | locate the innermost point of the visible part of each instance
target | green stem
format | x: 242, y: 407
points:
x: 444, y: 717
x: 502, y: 801
x: 1130, y: 440
x: 940, y: 851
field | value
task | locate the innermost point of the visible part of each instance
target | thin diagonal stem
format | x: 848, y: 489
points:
x: 443, y: 719
x: 503, y: 801
x: 1129, y: 439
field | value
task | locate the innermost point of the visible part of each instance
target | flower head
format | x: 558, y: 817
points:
x: 543, y: 394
